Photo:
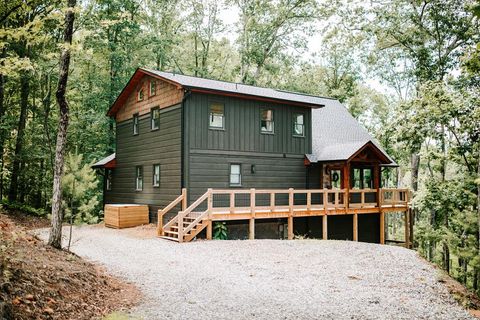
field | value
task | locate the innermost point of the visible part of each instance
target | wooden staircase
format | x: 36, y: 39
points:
x: 187, y: 224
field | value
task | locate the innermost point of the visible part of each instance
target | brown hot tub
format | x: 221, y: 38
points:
x: 125, y: 215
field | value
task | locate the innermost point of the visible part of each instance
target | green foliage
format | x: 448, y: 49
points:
x: 220, y: 231
x: 79, y: 190
x: 25, y: 208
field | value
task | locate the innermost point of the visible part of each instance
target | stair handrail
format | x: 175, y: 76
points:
x: 184, y: 213
x: 162, y: 212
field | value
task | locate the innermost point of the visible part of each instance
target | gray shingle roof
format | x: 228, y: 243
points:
x: 337, y: 135
x: 238, y: 88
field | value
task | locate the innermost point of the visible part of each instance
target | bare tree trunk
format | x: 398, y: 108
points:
x: 415, y: 167
x: 55, y: 239
x: 24, y: 92
x: 2, y: 132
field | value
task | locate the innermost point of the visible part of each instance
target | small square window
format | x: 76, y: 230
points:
x: 299, y: 125
x: 108, y: 179
x: 135, y: 123
x: 153, y: 88
x: 156, y: 175
x: 138, y: 178
x: 235, y: 174
x: 266, y: 121
x: 155, y: 118
x: 140, y: 95
x: 216, y: 116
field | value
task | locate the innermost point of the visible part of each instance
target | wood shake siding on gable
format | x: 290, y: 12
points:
x: 165, y: 96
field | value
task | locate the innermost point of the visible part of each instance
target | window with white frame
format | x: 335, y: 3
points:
x: 139, y: 178
x: 155, y: 118
x: 153, y: 88
x: 140, y: 95
x: 266, y: 121
x: 235, y: 174
x: 299, y: 125
x: 156, y: 175
x: 216, y: 116
x: 135, y: 123
x: 108, y: 179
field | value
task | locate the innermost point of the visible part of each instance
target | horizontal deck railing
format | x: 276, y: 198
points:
x: 231, y: 201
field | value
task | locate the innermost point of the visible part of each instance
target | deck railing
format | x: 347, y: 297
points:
x: 309, y: 199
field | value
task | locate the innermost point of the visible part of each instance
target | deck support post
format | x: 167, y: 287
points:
x: 209, y: 230
x: 251, y: 224
x: 382, y: 227
x: 355, y: 227
x: 290, y: 214
x: 325, y: 227
x: 407, y: 229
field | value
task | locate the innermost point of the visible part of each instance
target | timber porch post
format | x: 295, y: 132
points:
x: 209, y: 208
x: 290, y: 213
x: 251, y: 224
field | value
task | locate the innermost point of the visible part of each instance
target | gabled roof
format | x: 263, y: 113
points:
x: 218, y: 87
x: 338, y: 136
x: 107, y: 162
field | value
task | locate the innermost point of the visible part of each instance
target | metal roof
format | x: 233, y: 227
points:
x: 337, y: 135
x: 101, y: 163
x: 239, y: 88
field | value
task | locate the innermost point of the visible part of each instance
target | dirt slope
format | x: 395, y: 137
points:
x: 38, y: 282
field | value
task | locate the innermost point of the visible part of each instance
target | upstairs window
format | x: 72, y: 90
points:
x: 153, y: 88
x: 108, y: 179
x: 135, y: 124
x: 138, y: 178
x: 266, y: 121
x: 235, y: 174
x: 299, y: 125
x: 156, y: 175
x: 216, y: 116
x: 140, y: 95
x: 155, y: 118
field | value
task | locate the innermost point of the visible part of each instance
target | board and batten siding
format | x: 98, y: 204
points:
x: 278, y: 158
x: 149, y: 147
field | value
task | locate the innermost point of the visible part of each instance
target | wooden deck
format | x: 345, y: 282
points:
x: 222, y: 205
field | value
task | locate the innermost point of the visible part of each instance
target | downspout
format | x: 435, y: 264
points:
x: 182, y: 139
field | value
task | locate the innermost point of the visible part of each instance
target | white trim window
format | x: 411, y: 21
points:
x: 138, y: 178
x: 156, y: 175
x: 135, y: 124
x: 108, y: 179
x: 140, y: 95
x: 153, y: 88
x: 299, y: 124
x: 216, y: 119
x: 266, y: 121
x: 235, y: 174
x: 155, y: 118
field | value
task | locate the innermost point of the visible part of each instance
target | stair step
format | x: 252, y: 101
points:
x: 176, y: 227
x: 171, y: 232
x: 169, y: 238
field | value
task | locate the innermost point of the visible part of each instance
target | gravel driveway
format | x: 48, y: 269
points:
x: 270, y: 279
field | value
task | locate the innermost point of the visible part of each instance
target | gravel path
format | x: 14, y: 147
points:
x: 270, y: 279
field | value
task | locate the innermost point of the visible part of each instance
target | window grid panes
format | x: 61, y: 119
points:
x: 153, y: 87
x: 335, y: 179
x: 235, y: 174
x: 266, y: 122
x: 155, y: 118
x: 140, y: 95
x: 135, y: 123
x: 108, y: 179
x: 138, y: 178
x: 156, y: 175
x: 298, y: 125
x: 216, y: 116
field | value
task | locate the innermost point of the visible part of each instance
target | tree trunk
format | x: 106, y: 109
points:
x: 55, y: 238
x: 2, y: 132
x: 477, y: 270
x: 24, y: 92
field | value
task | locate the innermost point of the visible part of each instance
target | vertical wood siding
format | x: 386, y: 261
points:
x: 149, y: 147
x: 278, y: 157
